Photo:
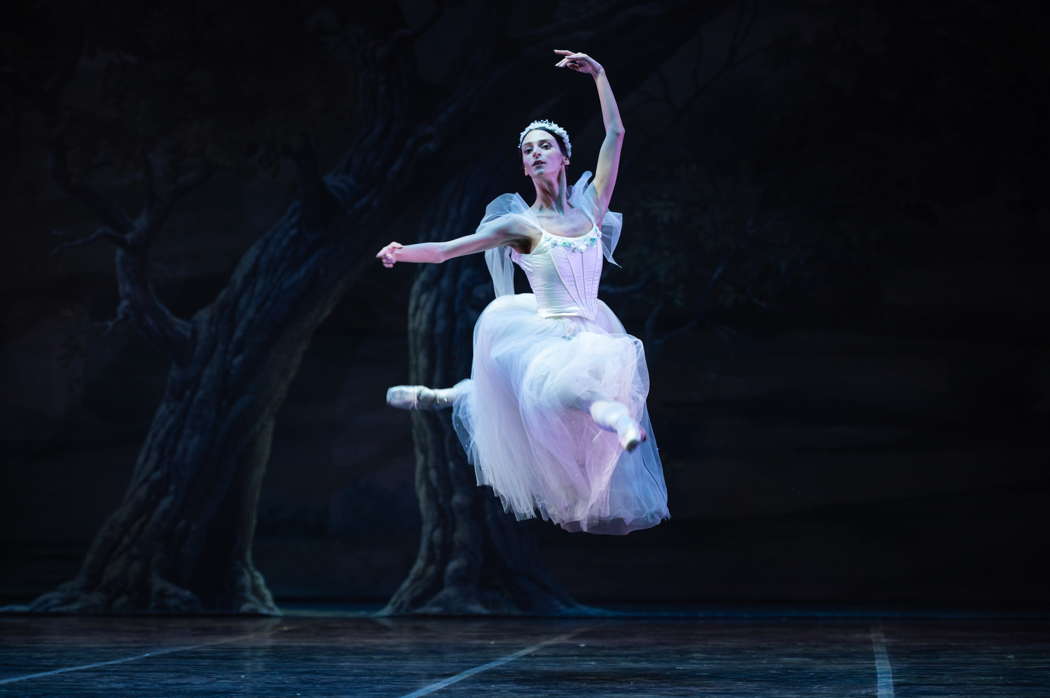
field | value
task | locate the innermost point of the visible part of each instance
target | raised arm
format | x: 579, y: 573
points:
x: 492, y: 234
x: 609, y: 155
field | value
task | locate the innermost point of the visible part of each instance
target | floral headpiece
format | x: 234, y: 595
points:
x: 553, y: 128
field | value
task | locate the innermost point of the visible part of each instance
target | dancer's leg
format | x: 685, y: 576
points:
x: 611, y: 415
x: 420, y: 397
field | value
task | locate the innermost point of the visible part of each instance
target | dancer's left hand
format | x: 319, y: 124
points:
x: 580, y: 62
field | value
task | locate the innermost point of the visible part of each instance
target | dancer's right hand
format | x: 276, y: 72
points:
x: 388, y: 255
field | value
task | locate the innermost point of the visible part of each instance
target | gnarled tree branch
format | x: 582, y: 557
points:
x: 102, y: 233
x: 133, y: 239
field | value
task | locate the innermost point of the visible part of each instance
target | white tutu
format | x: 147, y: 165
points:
x: 541, y: 456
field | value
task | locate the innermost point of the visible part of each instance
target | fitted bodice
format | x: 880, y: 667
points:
x: 563, y: 273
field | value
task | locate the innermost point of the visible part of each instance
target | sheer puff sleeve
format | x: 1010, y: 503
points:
x: 498, y: 260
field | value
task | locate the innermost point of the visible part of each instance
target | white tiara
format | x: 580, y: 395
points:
x: 553, y: 128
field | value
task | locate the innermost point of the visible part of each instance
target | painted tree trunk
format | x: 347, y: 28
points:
x: 181, y: 540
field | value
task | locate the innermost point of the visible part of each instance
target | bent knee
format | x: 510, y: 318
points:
x: 576, y: 398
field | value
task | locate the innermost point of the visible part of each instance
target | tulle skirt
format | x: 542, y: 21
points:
x: 541, y: 456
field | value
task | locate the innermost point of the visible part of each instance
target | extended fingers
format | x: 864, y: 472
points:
x: 572, y: 59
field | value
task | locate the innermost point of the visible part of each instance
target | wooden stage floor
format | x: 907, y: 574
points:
x: 332, y: 652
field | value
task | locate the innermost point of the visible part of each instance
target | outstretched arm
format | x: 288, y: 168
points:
x: 493, y: 234
x: 609, y: 155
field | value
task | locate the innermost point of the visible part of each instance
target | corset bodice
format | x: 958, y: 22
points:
x: 563, y: 273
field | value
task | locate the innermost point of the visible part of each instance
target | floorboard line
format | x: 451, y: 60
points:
x: 122, y: 660
x: 883, y: 669
x: 437, y: 686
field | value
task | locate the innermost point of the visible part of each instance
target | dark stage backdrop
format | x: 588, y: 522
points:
x: 831, y: 213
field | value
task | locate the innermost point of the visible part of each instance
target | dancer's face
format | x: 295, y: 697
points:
x: 541, y: 155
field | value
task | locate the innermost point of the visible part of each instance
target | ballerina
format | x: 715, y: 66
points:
x: 553, y: 415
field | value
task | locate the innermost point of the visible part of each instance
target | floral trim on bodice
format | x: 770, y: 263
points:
x: 576, y: 244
